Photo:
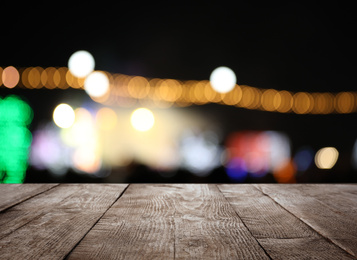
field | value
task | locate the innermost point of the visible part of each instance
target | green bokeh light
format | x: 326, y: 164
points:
x: 15, y: 138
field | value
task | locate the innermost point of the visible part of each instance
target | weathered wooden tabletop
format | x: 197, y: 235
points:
x: 178, y: 221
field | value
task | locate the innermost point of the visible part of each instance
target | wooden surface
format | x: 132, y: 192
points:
x: 178, y: 221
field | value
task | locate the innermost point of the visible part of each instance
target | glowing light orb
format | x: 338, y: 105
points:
x: 326, y: 157
x: 96, y: 84
x: 223, y: 79
x: 81, y: 63
x: 142, y: 119
x: 10, y: 77
x: 63, y: 116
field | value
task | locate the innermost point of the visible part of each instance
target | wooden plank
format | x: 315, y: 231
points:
x: 12, y: 194
x: 312, y: 204
x: 281, y: 234
x: 169, y: 222
x: 49, y: 225
x: 207, y: 227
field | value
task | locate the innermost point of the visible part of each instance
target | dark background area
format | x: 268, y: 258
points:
x: 292, y: 46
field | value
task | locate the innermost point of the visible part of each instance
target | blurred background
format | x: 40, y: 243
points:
x: 130, y: 92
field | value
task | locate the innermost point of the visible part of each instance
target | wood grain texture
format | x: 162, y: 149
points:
x: 49, y: 225
x: 170, y: 222
x: 328, y: 209
x: 12, y: 194
x: 281, y: 234
x: 207, y: 227
x: 140, y: 225
x: 178, y: 221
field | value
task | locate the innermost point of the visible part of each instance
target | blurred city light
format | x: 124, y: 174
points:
x: 81, y: 63
x: 285, y: 173
x: 96, y: 84
x: 256, y: 152
x: 142, y: 119
x: 303, y: 158
x: 223, y: 79
x: 237, y: 170
x: 200, y: 152
x: 326, y: 157
x: 15, y: 138
x: 63, y: 116
x: 48, y: 152
x: 10, y: 77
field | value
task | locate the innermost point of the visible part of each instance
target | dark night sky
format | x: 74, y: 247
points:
x: 284, y: 46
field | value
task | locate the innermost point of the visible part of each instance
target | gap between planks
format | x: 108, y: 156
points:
x: 26, y: 197
x: 95, y: 223
x: 329, y: 240
x: 243, y: 222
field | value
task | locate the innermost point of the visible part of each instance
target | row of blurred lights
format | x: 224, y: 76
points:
x: 126, y: 91
x: 78, y: 143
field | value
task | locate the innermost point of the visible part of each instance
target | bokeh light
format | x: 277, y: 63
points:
x: 223, y: 79
x: 96, y: 84
x: 10, y: 77
x: 48, y: 151
x: 200, y: 152
x: 15, y: 138
x: 285, y: 173
x: 142, y: 119
x: 303, y: 158
x: 81, y: 63
x: 261, y: 151
x: 237, y: 170
x: 63, y: 116
x: 85, y: 159
x: 326, y: 157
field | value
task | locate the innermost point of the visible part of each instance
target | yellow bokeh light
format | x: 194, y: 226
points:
x: 326, y: 157
x: 283, y: 101
x: 142, y: 119
x: 345, y: 102
x: 250, y: 97
x: 138, y: 87
x: 268, y: 100
x: 24, y: 77
x: 85, y: 159
x: 34, y: 77
x: 323, y: 103
x: 303, y: 103
x: 63, y: 116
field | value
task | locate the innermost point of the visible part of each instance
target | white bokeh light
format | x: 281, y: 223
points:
x: 63, y: 116
x: 142, y: 119
x: 326, y: 157
x: 81, y: 64
x: 223, y: 79
x: 96, y: 84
